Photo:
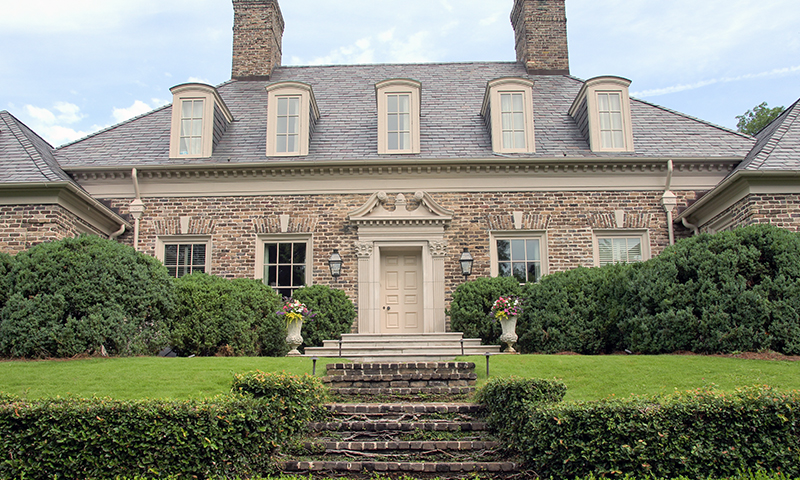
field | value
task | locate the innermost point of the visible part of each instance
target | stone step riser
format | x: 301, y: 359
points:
x: 400, y: 447
x: 410, y: 467
x: 420, y: 408
x: 402, y: 392
x: 383, y: 426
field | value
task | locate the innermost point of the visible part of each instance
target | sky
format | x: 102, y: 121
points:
x: 69, y: 68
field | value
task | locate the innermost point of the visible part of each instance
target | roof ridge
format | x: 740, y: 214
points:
x: 691, y: 117
x: 777, y: 134
x: 41, y: 164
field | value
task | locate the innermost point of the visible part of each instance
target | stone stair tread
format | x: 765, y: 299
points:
x: 381, y: 466
x: 391, y: 377
x: 402, y: 391
x: 391, y: 425
x: 377, y: 408
x: 427, y: 445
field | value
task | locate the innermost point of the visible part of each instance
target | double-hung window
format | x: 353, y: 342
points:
x: 398, y: 115
x: 292, y: 115
x: 602, y: 112
x: 284, y: 262
x: 184, y: 254
x: 288, y: 129
x: 620, y: 247
x: 518, y: 254
x: 609, y: 109
x: 199, y: 120
x: 191, y: 142
x: 508, y: 112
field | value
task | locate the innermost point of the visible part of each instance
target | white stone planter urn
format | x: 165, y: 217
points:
x: 509, y: 336
x: 294, y: 339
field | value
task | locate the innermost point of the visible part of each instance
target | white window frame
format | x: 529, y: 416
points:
x: 163, y: 240
x: 263, y: 239
x: 309, y: 114
x: 211, y: 99
x: 398, y: 86
x: 642, y: 234
x: 492, y: 106
x: 590, y: 91
x: 540, y: 235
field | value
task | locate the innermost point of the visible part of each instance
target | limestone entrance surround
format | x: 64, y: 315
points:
x: 417, y: 225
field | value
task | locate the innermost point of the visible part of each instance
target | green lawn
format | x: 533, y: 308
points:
x: 587, y: 377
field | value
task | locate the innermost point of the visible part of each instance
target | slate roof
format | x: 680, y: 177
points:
x: 450, y: 125
x: 24, y: 156
x: 778, y: 144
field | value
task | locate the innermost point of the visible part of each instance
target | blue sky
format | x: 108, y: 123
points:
x: 71, y: 67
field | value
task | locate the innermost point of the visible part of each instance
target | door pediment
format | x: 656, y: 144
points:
x: 423, y: 210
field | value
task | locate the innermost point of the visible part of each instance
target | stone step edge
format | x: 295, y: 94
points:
x: 395, y: 426
x: 423, y: 445
x: 397, y: 365
x: 353, y: 408
x: 393, y: 391
x: 424, y: 467
x: 392, y: 377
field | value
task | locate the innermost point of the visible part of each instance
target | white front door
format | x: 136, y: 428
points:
x: 401, y: 291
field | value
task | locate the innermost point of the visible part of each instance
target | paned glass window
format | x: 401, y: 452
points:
x: 609, y: 106
x: 285, y: 266
x: 288, y: 129
x: 520, y: 258
x: 398, y: 121
x: 619, y: 249
x: 191, y: 139
x: 513, y: 119
x: 184, y: 258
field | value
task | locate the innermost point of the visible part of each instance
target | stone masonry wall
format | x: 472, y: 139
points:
x: 22, y: 226
x: 233, y: 222
x: 781, y: 210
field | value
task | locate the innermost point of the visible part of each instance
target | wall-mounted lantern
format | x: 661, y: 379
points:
x: 466, y: 261
x: 335, y: 263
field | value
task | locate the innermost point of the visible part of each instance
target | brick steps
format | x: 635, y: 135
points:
x: 430, y: 439
x: 401, y: 347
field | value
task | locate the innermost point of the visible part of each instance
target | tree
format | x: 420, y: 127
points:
x: 753, y: 121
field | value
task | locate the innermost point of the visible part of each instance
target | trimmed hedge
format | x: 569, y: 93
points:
x: 301, y: 395
x: 506, y: 397
x: 82, y: 295
x: 472, y: 301
x: 698, y: 434
x: 102, y: 438
x: 218, y: 316
x: 333, y: 311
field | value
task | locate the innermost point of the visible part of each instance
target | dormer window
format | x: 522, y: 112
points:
x: 602, y: 111
x: 508, y: 113
x: 292, y: 115
x: 398, y: 115
x: 199, y: 119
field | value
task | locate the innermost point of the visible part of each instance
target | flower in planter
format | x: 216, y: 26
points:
x: 505, y: 307
x: 295, y: 311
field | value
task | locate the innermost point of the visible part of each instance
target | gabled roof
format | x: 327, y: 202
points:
x: 24, y: 156
x: 778, y: 144
x: 451, y: 126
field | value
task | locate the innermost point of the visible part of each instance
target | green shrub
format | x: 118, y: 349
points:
x: 731, y: 291
x: 698, y: 434
x: 104, y: 438
x: 506, y: 397
x: 301, y: 394
x: 472, y: 302
x: 81, y: 295
x: 576, y: 310
x: 333, y: 314
x: 215, y: 315
x: 6, y: 264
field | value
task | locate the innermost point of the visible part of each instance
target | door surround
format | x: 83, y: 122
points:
x: 381, y: 230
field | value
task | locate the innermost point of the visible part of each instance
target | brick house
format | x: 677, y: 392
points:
x: 399, y: 168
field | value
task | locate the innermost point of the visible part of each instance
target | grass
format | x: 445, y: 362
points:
x: 587, y: 377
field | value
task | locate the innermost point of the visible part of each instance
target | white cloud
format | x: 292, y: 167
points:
x: 359, y: 52
x: 198, y: 80
x: 414, y: 50
x: 138, y: 108
x: 486, y: 21
x: 703, y: 83
x: 53, y: 126
x: 68, y: 112
x: 386, y: 35
x: 42, y: 115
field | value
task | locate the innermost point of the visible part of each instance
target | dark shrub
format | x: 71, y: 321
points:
x: 6, y: 263
x: 333, y: 314
x: 472, y: 301
x: 731, y: 291
x: 215, y: 315
x: 80, y: 294
x: 576, y: 310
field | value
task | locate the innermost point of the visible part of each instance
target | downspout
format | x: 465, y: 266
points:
x: 116, y: 234
x: 669, y: 201
x: 136, y: 208
x: 691, y: 227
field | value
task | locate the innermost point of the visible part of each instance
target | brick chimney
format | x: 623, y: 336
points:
x: 540, y: 33
x: 257, y: 38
